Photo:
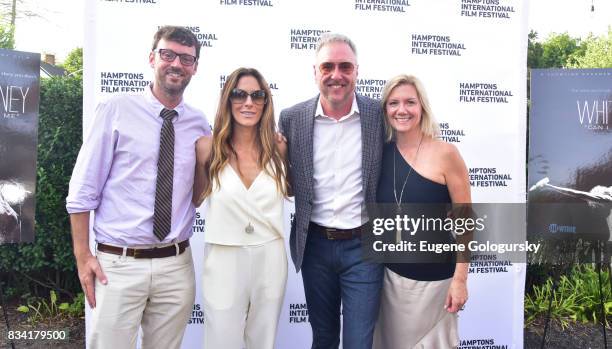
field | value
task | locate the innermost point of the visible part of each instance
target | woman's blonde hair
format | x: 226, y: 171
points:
x: 429, y: 126
x: 222, y: 149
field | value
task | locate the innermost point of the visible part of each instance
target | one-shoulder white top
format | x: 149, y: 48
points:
x: 240, y: 216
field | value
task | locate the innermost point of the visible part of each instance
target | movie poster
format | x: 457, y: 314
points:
x: 570, y: 154
x: 19, y: 97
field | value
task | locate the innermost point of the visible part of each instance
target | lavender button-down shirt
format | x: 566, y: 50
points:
x: 116, y: 170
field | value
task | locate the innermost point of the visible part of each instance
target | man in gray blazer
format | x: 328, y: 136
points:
x: 335, y: 149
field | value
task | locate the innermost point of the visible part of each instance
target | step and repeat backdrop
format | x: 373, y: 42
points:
x: 470, y: 54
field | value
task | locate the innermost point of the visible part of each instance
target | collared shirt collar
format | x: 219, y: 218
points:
x: 158, y: 106
x: 354, y: 109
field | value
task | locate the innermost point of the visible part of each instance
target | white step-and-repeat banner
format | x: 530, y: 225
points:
x: 470, y: 54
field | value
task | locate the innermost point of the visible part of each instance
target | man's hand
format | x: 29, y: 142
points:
x: 203, y: 149
x: 89, y: 269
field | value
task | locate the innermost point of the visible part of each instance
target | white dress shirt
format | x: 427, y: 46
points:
x: 338, y: 188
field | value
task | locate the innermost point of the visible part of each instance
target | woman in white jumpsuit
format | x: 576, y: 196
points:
x: 241, y: 173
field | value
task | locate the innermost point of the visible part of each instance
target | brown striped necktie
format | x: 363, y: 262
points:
x: 162, y: 215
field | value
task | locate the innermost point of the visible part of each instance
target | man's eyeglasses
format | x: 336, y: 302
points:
x: 329, y: 67
x: 238, y: 96
x: 169, y: 56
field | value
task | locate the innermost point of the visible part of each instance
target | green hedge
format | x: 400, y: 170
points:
x: 48, y: 263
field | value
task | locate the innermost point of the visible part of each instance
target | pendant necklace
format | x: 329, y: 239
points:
x: 249, y: 229
x: 416, y: 155
x: 398, y: 202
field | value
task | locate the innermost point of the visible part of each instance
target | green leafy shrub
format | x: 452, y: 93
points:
x: 598, y: 52
x: 74, y: 62
x: 76, y: 308
x: 575, y: 299
x: 7, y: 36
x: 42, y: 309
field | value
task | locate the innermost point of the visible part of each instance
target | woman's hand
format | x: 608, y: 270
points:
x: 281, y: 143
x: 457, y: 295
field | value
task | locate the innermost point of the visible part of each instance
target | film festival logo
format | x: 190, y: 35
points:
x: 483, y: 92
x: 449, y: 134
x: 435, y: 45
x: 205, y: 39
x: 305, y: 39
x: 122, y: 82
x: 486, y: 9
x: 271, y: 84
x: 298, y: 313
x: 145, y: 2
x: 480, y: 343
x: 397, y: 6
x: 370, y: 87
x: 488, y: 264
x: 197, y: 315
x: 594, y: 114
x: 488, y: 177
x: 199, y: 225
x: 249, y: 3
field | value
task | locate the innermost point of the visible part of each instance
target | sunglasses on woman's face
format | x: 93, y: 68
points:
x: 238, y: 96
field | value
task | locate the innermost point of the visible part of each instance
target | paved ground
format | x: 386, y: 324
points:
x: 584, y: 336
x: 577, y: 335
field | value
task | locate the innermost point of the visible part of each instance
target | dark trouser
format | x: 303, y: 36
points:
x: 334, y: 272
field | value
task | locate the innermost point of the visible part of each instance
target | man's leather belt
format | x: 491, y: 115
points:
x: 335, y: 233
x: 155, y: 252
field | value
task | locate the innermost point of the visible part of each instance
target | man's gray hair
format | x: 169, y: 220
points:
x: 328, y: 38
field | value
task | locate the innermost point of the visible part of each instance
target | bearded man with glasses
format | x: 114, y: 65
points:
x: 335, y: 146
x: 135, y: 170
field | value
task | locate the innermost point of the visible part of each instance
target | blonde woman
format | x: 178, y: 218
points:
x: 419, y: 302
x: 241, y: 173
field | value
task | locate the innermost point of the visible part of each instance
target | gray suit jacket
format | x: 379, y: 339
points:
x: 297, y: 124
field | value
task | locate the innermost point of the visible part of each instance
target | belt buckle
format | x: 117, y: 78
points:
x: 329, y: 231
x: 140, y: 252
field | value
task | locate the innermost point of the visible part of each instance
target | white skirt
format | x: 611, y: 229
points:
x: 412, y: 315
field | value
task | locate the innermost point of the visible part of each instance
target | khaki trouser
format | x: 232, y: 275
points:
x: 155, y: 294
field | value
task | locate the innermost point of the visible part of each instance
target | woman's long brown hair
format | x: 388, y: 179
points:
x: 222, y: 149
